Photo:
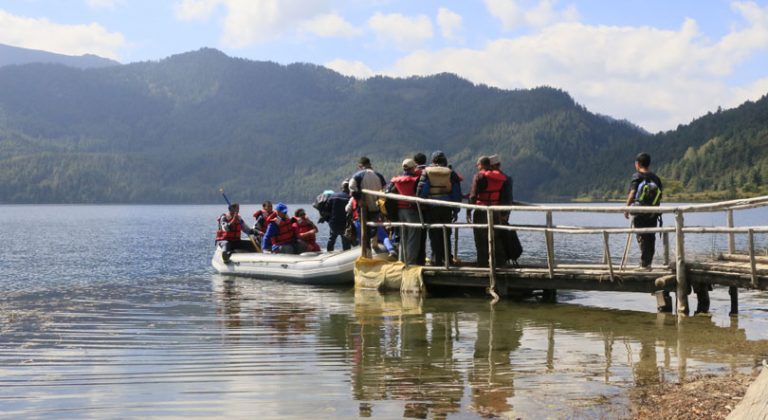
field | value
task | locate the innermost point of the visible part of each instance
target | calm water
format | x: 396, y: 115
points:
x: 114, y: 311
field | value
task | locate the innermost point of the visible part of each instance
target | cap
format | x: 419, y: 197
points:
x: 494, y: 159
x: 281, y: 208
x: 409, y: 164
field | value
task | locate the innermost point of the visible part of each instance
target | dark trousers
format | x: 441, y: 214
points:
x: 228, y: 247
x: 439, y: 215
x: 647, y: 241
x: 481, y: 239
x: 345, y: 244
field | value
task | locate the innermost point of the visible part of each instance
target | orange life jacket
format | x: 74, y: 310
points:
x: 234, y: 232
x: 405, y: 185
x: 491, y: 195
x: 262, y: 219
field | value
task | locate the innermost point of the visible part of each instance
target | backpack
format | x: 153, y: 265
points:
x: 323, y: 205
x: 388, y: 206
x: 648, y: 193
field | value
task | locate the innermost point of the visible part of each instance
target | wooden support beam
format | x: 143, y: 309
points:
x: 731, y: 235
x: 733, y: 291
x: 752, y: 264
x: 491, y: 258
x: 682, y: 283
x: 549, y: 238
x: 608, y: 254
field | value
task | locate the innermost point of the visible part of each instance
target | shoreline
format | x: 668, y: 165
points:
x: 710, y: 396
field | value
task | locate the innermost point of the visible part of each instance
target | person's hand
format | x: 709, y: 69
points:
x: 469, y: 216
x: 626, y: 215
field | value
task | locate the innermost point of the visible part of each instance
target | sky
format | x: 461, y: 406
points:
x: 656, y: 63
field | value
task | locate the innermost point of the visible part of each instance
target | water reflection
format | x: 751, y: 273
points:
x: 438, y: 357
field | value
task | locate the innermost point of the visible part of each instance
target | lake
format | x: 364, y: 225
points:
x: 114, y: 311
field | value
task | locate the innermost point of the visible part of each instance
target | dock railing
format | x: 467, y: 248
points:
x: 548, y: 229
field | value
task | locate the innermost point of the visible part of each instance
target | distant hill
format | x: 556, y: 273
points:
x: 174, y: 131
x: 15, y: 55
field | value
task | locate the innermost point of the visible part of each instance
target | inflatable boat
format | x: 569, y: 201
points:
x: 326, y: 268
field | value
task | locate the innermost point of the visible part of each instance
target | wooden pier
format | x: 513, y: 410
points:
x: 679, y: 273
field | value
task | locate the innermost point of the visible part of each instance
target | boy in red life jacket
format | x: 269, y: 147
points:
x: 405, y: 184
x: 281, y: 236
x: 230, y: 227
x: 261, y: 217
x: 306, y: 230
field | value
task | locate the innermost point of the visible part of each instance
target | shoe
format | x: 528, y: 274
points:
x: 392, y: 254
x: 225, y: 257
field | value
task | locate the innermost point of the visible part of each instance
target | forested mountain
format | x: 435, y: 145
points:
x: 175, y: 130
x: 15, y: 55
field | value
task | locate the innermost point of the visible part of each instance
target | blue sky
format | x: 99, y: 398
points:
x: 657, y: 63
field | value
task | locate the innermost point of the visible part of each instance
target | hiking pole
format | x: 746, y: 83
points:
x: 626, y: 248
x: 229, y: 203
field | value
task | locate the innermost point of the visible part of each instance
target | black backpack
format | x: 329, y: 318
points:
x: 323, y: 205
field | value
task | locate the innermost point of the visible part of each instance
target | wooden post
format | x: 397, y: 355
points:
x: 608, y: 254
x: 446, y: 248
x: 665, y: 242
x: 731, y: 235
x: 733, y: 291
x: 401, y: 245
x: 549, y: 237
x: 752, y: 264
x: 365, y: 242
x: 491, y: 258
x: 682, y: 283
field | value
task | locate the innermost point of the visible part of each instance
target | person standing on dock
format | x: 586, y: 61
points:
x: 439, y: 182
x: 230, y: 227
x: 512, y: 244
x: 367, y: 179
x: 486, y: 190
x: 405, y: 184
x: 645, y: 189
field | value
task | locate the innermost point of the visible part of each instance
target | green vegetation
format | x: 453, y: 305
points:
x: 173, y: 131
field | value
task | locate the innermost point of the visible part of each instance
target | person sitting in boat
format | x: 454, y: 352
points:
x: 230, y: 227
x: 261, y: 216
x: 281, y: 236
x: 306, y: 230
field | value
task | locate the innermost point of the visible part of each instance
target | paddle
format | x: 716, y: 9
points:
x: 229, y: 203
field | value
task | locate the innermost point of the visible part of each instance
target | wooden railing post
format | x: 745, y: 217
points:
x: 549, y: 236
x: 446, y: 248
x: 665, y: 243
x: 365, y: 241
x: 491, y: 257
x: 752, y: 262
x: 731, y: 235
x: 608, y: 253
x: 682, y: 283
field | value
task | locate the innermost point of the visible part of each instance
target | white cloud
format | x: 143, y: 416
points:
x: 331, y: 25
x: 403, y: 32
x: 247, y: 22
x: 42, y: 34
x: 195, y: 9
x: 102, y: 4
x: 449, y: 22
x: 514, y: 13
x: 356, y: 69
x: 656, y: 78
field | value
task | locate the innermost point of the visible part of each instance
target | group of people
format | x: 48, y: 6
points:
x: 274, y: 231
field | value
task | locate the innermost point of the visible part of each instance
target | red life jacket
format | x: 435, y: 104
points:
x: 264, y: 222
x: 491, y: 195
x: 233, y: 234
x: 310, y: 239
x: 405, y: 185
x: 285, y: 232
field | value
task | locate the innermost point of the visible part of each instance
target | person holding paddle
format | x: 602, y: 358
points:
x: 230, y: 227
